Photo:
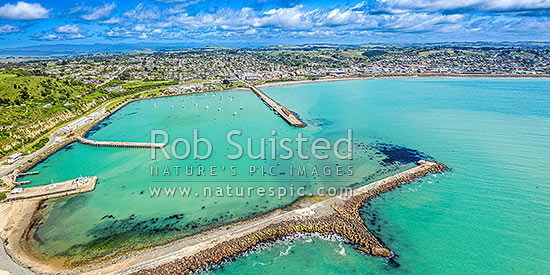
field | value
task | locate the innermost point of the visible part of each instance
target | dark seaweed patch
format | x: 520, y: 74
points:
x: 395, y: 154
x: 68, y: 147
x: 104, y: 123
x: 390, y: 154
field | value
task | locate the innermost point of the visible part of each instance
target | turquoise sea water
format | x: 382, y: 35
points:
x: 489, y: 214
x: 121, y: 213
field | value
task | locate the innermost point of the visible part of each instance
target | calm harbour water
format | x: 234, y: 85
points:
x: 489, y: 214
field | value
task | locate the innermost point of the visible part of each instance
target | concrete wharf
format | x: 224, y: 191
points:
x: 54, y: 190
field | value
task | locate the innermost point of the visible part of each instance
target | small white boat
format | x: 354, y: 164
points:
x: 205, y: 107
x: 235, y: 113
x: 219, y: 109
x: 241, y: 107
x: 196, y: 104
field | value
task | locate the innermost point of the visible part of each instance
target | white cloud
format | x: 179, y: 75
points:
x: 59, y: 36
x: 23, y: 11
x: 181, y: 2
x: 68, y: 29
x: 288, y: 18
x: 114, y: 20
x: 294, y: 18
x: 142, y: 13
x: 5, y: 29
x: 99, y: 12
x: 140, y: 28
x: 251, y: 31
x: 409, y: 18
x: 65, y: 32
x: 418, y: 22
x: 74, y: 36
x: 49, y: 37
x: 118, y: 32
x: 465, y: 5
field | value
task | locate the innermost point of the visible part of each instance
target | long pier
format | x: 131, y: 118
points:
x: 119, y: 143
x: 289, y: 116
x: 54, y: 190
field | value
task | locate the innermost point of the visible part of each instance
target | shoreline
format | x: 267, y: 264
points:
x: 14, y: 226
x: 404, y: 76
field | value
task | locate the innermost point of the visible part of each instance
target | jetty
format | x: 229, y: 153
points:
x: 337, y: 215
x: 53, y: 190
x: 28, y: 173
x: 18, y: 174
x: 290, y: 117
x: 119, y: 143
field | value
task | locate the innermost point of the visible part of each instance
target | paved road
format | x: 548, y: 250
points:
x: 53, y: 139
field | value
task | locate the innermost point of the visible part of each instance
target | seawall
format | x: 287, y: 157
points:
x: 336, y: 215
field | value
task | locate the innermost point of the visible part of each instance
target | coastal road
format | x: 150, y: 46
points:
x: 53, y: 139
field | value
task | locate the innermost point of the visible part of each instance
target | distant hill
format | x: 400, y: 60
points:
x: 71, y: 49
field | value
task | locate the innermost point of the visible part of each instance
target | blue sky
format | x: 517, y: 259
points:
x: 262, y: 22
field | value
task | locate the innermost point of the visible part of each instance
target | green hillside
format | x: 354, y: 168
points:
x: 31, y: 104
x: 27, y: 87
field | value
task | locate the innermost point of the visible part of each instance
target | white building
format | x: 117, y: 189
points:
x: 74, y: 125
x: 13, y: 157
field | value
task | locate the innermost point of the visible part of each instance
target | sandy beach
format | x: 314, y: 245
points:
x: 14, y: 221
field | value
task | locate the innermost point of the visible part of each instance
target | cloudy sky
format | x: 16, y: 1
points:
x: 263, y: 22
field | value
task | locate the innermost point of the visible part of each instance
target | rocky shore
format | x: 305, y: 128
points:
x: 342, y: 219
